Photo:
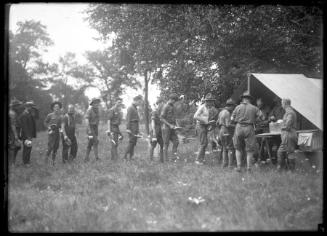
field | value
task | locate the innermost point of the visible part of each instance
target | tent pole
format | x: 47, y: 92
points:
x: 249, y: 75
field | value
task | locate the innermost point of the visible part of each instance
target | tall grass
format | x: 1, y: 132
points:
x: 141, y: 195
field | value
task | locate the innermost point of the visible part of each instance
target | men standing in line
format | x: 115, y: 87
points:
x: 14, y: 144
x: 245, y: 115
x: 168, y: 127
x: 114, y: 120
x: 226, y: 132
x: 68, y: 126
x: 92, y: 121
x: 288, y: 136
x: 206, y: 115
x: 155, y: 132
x: 28, y: 129
x: 53, y: 122
x: 132, y: 125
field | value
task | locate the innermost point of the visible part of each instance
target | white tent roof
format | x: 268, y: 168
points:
x: 306, y: 94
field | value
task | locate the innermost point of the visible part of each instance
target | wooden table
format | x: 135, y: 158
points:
x: 265, y: 142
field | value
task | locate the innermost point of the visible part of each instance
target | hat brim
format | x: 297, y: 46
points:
x: 97, y: 100
x: 210, y: 99
x: 54, y: 103
x: 247, y: 96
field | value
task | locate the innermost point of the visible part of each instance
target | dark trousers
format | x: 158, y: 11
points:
x: 53, y: 144
x: 134, y: 128
x: 26, y: 154
x: 73, y: 149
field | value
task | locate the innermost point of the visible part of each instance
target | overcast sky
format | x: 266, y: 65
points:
x: 69, y: 32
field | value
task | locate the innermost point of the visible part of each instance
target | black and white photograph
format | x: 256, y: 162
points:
x: 148, y: 117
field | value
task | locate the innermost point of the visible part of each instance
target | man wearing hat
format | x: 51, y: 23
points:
x: 13, y: 138
x: 132, y: 125
x: 114, y: 120
x: 245, y: 115
x: 288, y: 136
x: 92, y: 121
x: 226, y: 132
x: 168, y: 121
x: 27, y: 126
x: 206, y: 115
x: 68, y: 127
x: 53, y: 122
x: 155, y: 132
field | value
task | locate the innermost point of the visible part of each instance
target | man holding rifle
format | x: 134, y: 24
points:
x: 115, y: 117
x: 132, y: 126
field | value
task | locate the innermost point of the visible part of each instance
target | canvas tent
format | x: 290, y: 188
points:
x: 306, y: 95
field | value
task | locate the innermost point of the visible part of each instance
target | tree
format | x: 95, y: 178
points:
x: 109, y: 76
x: 198, y: 49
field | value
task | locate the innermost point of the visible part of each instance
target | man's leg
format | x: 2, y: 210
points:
x: 238, y: 154
x: 225, y: 157
x: 230, y: 159
x: 152, y: 147
x: 73, y: 147
x: 88, y: 150
x: 174, y: 139
x: 95, y: 149
x: 65, y: 149
x: 26, y: 154
x: 165, y: 136
x: 203, y: 142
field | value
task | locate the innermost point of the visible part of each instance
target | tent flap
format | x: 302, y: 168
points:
x: 305, y: 93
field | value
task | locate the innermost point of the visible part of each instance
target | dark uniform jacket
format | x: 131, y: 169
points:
x: 27, y: 124
x: 69, y: 124
x: 132, y: 116
x: 155, y: 115
x: 115, y: 118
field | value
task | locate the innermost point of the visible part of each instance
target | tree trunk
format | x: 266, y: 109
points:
x: 146, y: 103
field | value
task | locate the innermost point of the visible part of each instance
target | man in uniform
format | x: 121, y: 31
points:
x: 28, y: 129
x: 262, y: 127
x: 155, y: 132
x: 288, y: 136
x: 68, y: 127
x: 245, y: 115
x: 53, y: 122
x: 168, y: 120
x: 114, y: 120
x: 206, y: 115
x: 92, y: 122
x: 226, y: 132
x: 132, y: 125
x: 14, y: 143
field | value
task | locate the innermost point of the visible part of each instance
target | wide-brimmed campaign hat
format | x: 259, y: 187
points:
x: 209, y: 97
x: 95, y: 100
x: 230, y: 102
x: 246, y: 94
x: 30, y: 104
x: 15, y: 103
x: 54, y: 103
x: 173, y: 96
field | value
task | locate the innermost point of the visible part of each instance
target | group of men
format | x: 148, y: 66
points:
x: 235, y: 126
x: 238, y: 125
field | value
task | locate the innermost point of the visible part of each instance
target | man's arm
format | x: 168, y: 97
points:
x: 288, y: 122
x: 63, y: 121
x: 46, y: 121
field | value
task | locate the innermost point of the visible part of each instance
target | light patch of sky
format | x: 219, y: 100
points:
x: 70, y: 33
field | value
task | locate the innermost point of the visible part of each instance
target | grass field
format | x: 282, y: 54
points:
x: 141, y: 195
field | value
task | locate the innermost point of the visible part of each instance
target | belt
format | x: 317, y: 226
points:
x: 245, y: 124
